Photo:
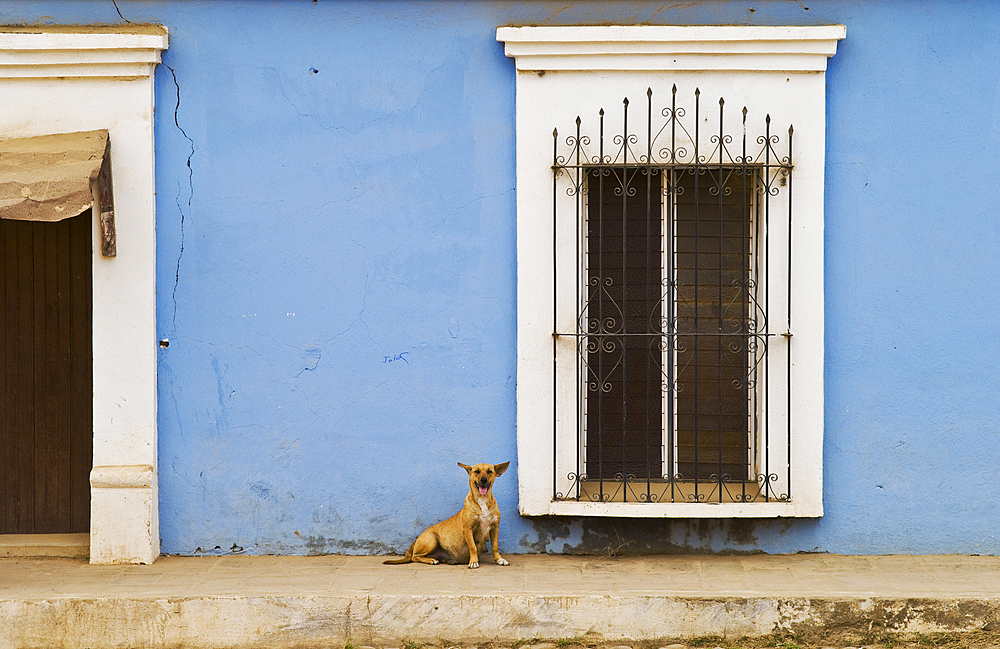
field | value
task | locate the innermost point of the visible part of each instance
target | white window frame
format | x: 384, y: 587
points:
x: 563, y: 72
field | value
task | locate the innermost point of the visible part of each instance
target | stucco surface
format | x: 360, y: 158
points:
x: 335, y: 220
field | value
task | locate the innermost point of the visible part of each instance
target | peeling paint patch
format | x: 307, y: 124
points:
x: 311, y: 356
x: 319, y: 545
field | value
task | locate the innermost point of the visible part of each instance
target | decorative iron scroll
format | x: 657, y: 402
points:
x: 675, y: 144
x: 649, y: 453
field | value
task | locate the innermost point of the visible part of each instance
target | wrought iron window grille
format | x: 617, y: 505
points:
x: 672, y: 339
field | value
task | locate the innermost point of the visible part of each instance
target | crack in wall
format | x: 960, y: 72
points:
x: 115, y: 3
x: 190, y: 197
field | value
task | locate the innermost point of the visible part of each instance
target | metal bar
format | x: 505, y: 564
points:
x: 767, y: 297
x: 718, y: 346
x: 697, y: 218
x: 669, y: 254
x: 655, y: 335
x: 744, y: 300
x: 580, y: 398
x: 624, y: 305
x: 788, y: 330
x: 600, y: 309
x: 649, y: 267
x: 659, y: 165
x: 555, y: 319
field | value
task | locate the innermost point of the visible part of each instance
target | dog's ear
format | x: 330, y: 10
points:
x: 468, y: 469
x: 500, y: 468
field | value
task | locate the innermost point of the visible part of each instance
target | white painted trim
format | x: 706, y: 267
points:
x: 122, y: 477
x: 677, y: 510
x: 777, y: 70
x: 67, y: 79
x: 673, y: 47
x: 42, y: 53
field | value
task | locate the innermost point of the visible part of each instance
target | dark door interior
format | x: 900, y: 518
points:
x: 46, y: 376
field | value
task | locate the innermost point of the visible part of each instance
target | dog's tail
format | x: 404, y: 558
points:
x: 408, y: 558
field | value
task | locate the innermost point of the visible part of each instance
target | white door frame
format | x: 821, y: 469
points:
x: 63, y: 79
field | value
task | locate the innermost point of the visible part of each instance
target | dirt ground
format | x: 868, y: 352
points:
x: 825, y: 640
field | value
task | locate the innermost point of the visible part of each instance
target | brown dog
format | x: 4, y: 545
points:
x: 463, y: 536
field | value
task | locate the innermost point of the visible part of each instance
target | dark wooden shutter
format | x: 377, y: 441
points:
x: 623, y: 382
x: 712, y: 267
x: 629, y: 321
x: 46, y: 376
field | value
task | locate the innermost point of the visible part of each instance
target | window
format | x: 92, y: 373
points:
x: 670, y: 292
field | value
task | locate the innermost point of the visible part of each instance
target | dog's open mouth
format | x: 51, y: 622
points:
x: 483, y: 490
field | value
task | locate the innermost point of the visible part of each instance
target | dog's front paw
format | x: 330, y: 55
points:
x: 502, y: 562
x: 473, y: 565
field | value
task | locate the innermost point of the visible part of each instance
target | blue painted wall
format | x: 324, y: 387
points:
x: 336, y: 273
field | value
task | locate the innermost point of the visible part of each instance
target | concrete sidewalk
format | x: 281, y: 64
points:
x: 277, y: 602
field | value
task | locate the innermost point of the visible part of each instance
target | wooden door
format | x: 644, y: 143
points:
x: 46, y: 376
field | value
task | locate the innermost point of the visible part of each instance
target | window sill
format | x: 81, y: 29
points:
x: 673, y: 510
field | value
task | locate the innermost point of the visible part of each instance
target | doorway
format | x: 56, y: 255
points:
x: 46, y: 375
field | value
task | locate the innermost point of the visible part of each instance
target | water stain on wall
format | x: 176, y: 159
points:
x: 619, y: 537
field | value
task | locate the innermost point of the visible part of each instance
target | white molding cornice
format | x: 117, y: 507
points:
x: 41, y: 52
x: 672, y: 47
